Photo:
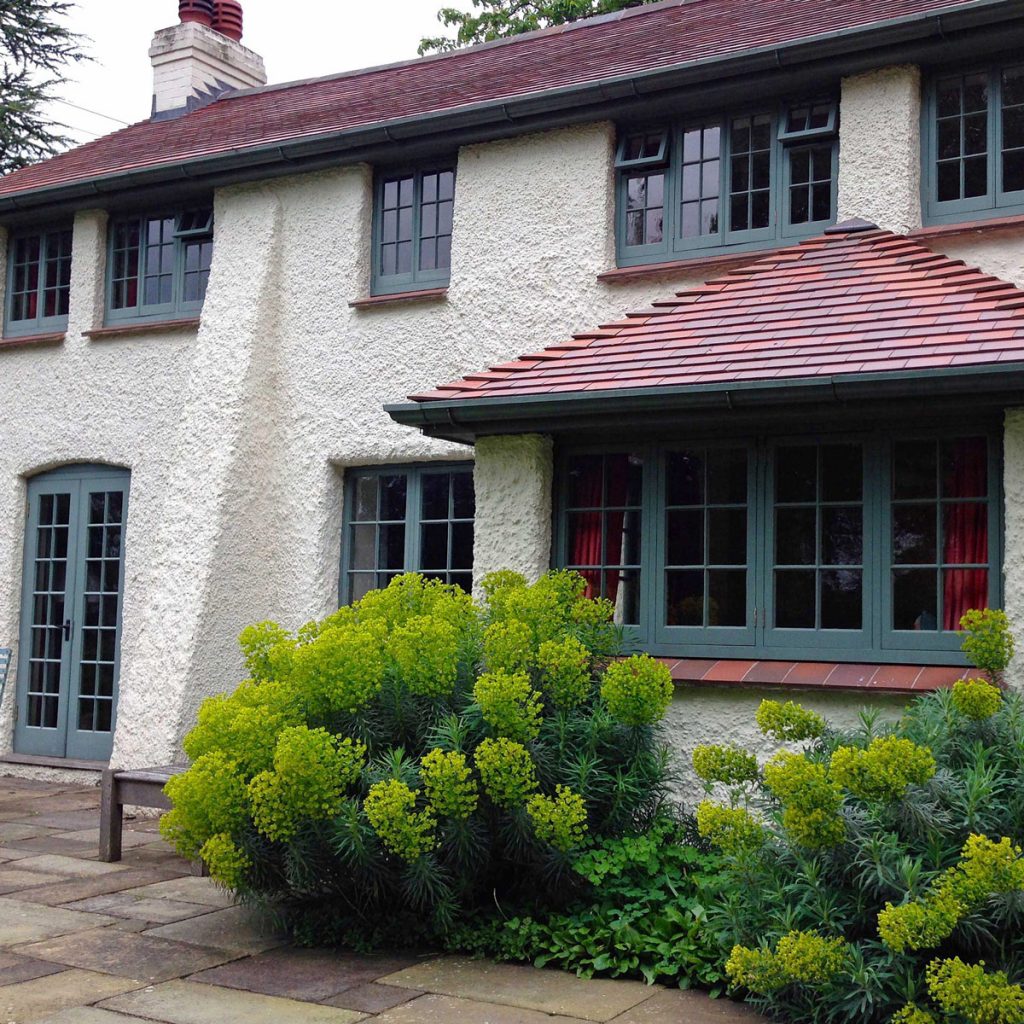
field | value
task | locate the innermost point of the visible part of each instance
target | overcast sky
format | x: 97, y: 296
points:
x: 296, y: 38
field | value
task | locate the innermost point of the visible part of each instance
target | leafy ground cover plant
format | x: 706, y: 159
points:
x: 877, y: 874
x: 416, y: 756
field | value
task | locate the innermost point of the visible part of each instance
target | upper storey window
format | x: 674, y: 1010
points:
x: 745, y: 180
x: 412, y: 230
x: 159, y: 264
x: 975, y: 143
x: 38, y: 282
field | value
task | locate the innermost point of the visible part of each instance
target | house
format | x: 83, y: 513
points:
x: 718, y: 303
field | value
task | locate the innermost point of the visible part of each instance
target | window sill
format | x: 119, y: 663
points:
x: 422, y: 295
x: 53, y: 762
x: 814, y: 675
x: 27, y: 340
x: 156, y: 327
x: 698, y: 264
x: 971, y: 227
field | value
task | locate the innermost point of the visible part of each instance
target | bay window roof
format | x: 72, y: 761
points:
x: 855, y: 312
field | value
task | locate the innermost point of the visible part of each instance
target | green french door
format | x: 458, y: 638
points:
x: 70, y: 642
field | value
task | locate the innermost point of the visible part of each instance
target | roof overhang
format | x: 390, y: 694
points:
x: 985, y: 387
x: 978, y: 26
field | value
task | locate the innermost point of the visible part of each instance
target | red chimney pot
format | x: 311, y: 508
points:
x: 200, y: 11
x: 227, y: 18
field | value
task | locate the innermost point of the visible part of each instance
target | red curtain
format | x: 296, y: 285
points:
x: 965, y: 531
x: 586, y: 540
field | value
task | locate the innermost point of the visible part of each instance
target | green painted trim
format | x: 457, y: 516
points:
x: 565, y: 102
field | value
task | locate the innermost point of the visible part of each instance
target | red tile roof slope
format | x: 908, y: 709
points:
x: 644, y: 39
x: 849, y: 302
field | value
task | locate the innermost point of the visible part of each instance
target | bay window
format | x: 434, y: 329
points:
x: 858, y: 547
x: 38, y: 282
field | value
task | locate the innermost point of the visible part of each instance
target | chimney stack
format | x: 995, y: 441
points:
x: 201, y: 58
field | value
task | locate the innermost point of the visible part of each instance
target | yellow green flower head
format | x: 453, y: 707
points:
x: 425, y: 651
x: 912, y: 1014
x: 758, y: 970
x: 987, y: 640
x: 920, y: 924
x: 800, y: 958
x: 728, y: 764
x: 637, y: 690
x: 312, y: 770
x: 595, y: 611
x: 977, y: 996
x: 208, y: 798
x: 811, y: 800
x: 732, y: 829
x: 502, y: 579
x: 976, y: 699
x: 986, y: 868
x: 267, y: 649
x: 342, y: 670
x: 506, y: 771
x: 560, y: 820
x: 226, y: 863
x: 390, y: 808
x: 565, y: 672
x: 789, y: 722
x: 509, y: 704
x: 508, y: 646
x: 884, y: 770
x: 448, y: 783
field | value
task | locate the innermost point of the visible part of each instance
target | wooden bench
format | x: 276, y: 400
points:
x: 142, y: 787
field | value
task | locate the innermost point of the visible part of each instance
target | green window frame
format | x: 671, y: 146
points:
x: 973, y: 143
x: 791, y: 546
x: 407, y: 518
x: 413, y: 212
x: 158, y: 264
x: 38, y: 287
x: 744, y: 179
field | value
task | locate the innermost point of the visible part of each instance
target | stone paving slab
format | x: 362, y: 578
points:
x: 311, y: 974
x: 67, y: 820
x: 235, y: 928
x: 16, y: 878
x: 89, y: 1015
x: 83, y: 888
x: 27, y: 922
x: 59, y: 843
x: 129, y: 838
x: 187, y: 889
x: 373, y: 997
x: 14, y: 968
x: 127, y: 954
x: 30, y: 1000
x: 435, y: 1009
x: 554, y: 992
x: 671, y: 1006
x: 182, y: 1002
x: 152, y: 911
x: 13, y: 831
x: 67, y: 867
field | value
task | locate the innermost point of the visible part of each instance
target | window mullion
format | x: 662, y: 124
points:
x: 412, y: 521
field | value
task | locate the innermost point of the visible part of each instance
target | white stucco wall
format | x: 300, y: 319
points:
x: 513, y: 483
x: 880, y: 148
x: 1013, y: 538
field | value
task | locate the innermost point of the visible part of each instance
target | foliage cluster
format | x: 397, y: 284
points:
x: 877, y: 874
x: 416, y: 756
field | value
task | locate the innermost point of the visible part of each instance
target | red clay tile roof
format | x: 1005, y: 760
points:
x: 850, y: 302
x: 658, y: 37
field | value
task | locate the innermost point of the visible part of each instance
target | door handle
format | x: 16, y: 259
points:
x: 67, y: 629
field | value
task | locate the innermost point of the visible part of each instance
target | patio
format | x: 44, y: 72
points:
x: 82, y: 942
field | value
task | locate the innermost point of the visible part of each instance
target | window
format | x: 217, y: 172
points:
x: 38, y: 282
x: 975, y: 143
x: 738, y: 180
x: 862, y: 546
x: 159, y: 265
x: 412, y: 231
x: 407, y: 519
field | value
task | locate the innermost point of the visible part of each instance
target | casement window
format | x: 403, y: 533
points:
x: 407, y: 519
x: 412, y: 229
x: 974, y: 143
x: 793, y: 547
x: 159, y: 264
x: 38, y: 282
x: 745, y: 179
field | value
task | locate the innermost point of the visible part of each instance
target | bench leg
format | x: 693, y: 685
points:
x: 111, y: 814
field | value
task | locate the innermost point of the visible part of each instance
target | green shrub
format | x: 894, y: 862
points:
x: 415, y: 757
x: 877, y: 875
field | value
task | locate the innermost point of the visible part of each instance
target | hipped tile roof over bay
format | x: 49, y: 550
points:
x: 664, y: 35
x: 856, y: 300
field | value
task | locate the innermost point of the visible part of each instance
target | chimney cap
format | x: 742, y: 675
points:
x: 200, y: 11
x: 227, y: 18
